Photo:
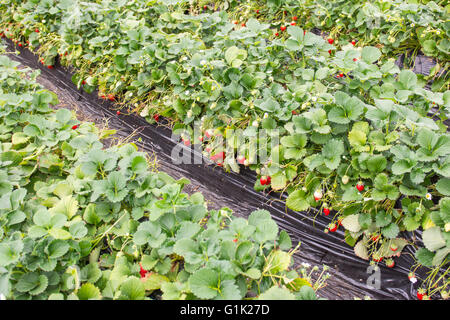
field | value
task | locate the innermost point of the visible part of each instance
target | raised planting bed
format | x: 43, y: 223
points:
x: 350, y: 134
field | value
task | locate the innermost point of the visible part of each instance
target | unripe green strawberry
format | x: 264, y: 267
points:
x: 345, y: 179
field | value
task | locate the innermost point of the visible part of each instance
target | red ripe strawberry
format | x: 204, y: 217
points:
x: 304, y: 32
x: 50, y: 67
x: 355, y: 59
x: 156, y: 117
x: 326, y: 211
x: 340, y: 221
x: 84, y: 82
x: 293, y: 23
x: 220, y: 164
x: 142, y: 272
x: 294, y: 112
x: 375, y: 238
x: 20, y: 44
x: 353, y: 42
x: 390, y: 263
x: 235, y: 22
x: 329, y: 51
x: 111, y: 97
x: 209, y: 133
x: 205, y: 7
x: 235, y: 240
x: 187, y: 142
x: 294, y: 18
x: 377, y: 259
x: 341, y: 75
x: 241, y: 159
x: 36, y: 30
x: 257, y: 11
x: 243, y: 24
x: 118, y: 112
x: 360, y: 186
x: 282, y: 28
x: 220, y: 155
x: 208, y: 149
x: 276, y: 34
x: 330, y: 41
x: 332, y: 227
x: 200, y: 139
x: 421, y: 293
x: 394, y: 247
x: 74, y: 127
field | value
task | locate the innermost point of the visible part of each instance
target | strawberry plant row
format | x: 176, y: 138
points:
x: 356, y: 138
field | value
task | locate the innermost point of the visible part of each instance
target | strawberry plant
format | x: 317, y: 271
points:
x: 357, y: 133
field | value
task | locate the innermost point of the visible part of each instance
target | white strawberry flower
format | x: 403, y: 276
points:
x: 203, y: 62
x: 428, y: 196
x: 266, y: 115
x: 186, y: 92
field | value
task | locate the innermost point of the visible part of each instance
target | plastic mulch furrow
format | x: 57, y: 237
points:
x: 349, y: 273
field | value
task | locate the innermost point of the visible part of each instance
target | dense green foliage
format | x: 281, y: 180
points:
x: 79, y: 221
